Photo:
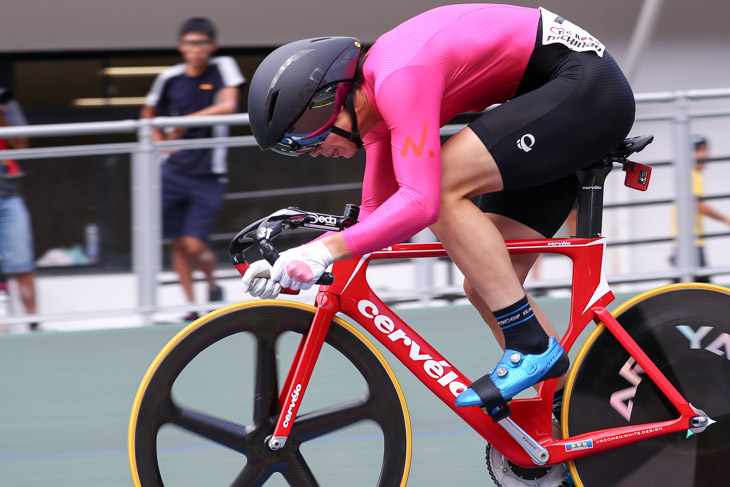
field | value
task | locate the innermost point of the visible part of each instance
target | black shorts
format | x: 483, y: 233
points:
x: 571, y: 109
x: 190, y: 204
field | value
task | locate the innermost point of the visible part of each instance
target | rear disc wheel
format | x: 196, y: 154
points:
x: 685, y: 330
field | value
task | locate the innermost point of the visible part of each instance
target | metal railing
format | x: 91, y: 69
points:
x: 146, y: 211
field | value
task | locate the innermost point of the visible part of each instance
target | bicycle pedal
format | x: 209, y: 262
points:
x: 498, y: 413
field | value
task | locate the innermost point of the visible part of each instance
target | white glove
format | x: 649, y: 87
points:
x: 300, y: 267
x: 257, y: 281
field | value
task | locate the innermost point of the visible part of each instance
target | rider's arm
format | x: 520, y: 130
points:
x: 409, y: 103
x: 378, y: 185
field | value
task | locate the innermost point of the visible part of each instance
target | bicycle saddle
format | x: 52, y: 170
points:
x: 632, y: 145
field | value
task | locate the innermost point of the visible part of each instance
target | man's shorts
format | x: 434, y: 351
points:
x: 570, y: 110
x: 16, y: 237
x: 190, y: 204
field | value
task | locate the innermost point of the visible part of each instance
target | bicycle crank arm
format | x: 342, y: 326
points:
x: 536, y: 451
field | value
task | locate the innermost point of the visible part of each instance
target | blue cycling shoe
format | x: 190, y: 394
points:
x: 514, y: 373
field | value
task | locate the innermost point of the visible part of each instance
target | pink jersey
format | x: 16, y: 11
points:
x: 418, y: 76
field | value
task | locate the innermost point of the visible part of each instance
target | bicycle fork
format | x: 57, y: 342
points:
x: 302, y: 367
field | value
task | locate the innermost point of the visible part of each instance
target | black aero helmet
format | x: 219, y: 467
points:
x: 298, y: 91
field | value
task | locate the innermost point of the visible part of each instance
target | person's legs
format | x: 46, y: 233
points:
x: 197, y: 255
x: 513, y: 230
x: 205, y: 199
x: 473, y: 242
x: 183, y: 267
x: 174, y: 209
x: 26, y: 287
x: 472, y: 238
x: 191, y: 205
x: 477, y: 247
x: 16, y: 249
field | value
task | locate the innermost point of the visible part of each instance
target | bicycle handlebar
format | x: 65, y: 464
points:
x: 261, y: 233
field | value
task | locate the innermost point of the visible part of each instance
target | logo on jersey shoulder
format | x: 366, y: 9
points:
x: 526, y: 142
x: 206, y: 86
x: 417, y: 149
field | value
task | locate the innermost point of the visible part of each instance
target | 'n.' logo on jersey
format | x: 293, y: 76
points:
x: 409, y: 143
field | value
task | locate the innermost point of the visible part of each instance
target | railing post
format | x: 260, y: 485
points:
x: 686, y: 259
x: 146, y: 218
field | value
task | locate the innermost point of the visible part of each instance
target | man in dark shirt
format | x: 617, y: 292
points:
x: 192, y: 180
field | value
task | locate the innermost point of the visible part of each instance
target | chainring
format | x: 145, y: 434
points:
x: 506, y: 474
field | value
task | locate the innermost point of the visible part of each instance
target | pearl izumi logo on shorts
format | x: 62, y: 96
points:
x: 526, y: 142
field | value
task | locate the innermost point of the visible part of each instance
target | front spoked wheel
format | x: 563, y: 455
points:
x: 685, y: 330
x: 212, y: 397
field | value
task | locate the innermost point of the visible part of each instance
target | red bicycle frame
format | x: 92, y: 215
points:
x: 351, y: 294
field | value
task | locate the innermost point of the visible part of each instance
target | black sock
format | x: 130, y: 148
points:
x: 558, y: 404
x: 522, y: 331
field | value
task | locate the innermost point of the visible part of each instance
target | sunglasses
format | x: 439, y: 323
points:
x: 315, y: 124
x: 201, y: 43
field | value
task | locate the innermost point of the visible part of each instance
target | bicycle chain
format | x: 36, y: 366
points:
x: 489, y: 467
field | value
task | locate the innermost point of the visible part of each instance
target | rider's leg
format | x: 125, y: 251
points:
x: 477, y: 247
x: 522, y: 263
x: 473, y: 242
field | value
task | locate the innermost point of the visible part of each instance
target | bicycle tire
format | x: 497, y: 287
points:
x: 266, y: 322
x: 662, y: 321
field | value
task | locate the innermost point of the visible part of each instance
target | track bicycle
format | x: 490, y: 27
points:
x: 647, y: 401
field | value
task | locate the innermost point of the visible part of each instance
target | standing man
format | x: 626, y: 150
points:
x: 701, y: 153
x: 193, y: 181
x: 16, y: 236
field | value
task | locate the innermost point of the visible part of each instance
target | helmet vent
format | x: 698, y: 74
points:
x: 271, y: 106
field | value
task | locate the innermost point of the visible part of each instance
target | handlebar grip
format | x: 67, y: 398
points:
x: 268, y: 251
x: 272, y: 255
x: 326, y: 279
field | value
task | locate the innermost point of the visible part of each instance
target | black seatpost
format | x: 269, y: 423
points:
x: 590, y: 198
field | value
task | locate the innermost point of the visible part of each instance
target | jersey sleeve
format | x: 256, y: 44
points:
x: 402, y: 184
x: 379, y: 182
x: 230, y: 72
x: 154, y: 97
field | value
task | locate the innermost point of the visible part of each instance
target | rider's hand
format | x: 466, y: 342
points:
x: 300, y: 267
x: 257, y: 281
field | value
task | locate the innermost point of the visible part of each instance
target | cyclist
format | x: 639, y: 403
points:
x: 564, y: 104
